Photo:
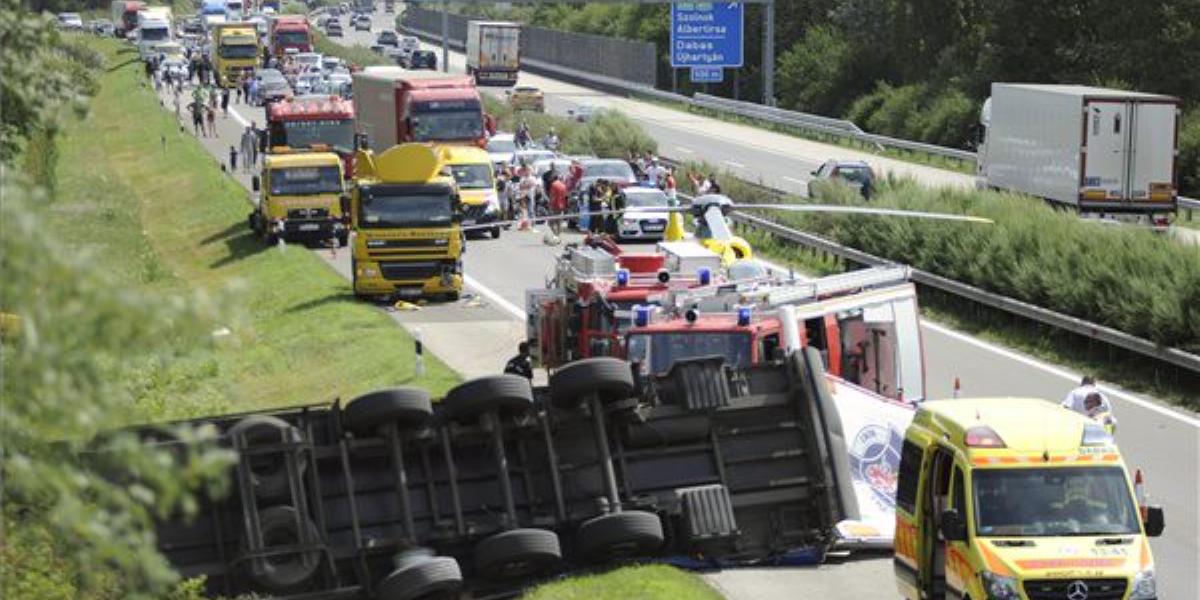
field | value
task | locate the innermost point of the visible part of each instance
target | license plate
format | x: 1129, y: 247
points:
x: 309, y: 227
x: 468, y: 221
x: 409, y: 292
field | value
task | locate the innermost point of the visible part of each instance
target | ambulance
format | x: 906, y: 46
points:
x: 1010, y: 498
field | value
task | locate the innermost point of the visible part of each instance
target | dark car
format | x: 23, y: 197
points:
x: 854, y: 173
x: 423, y: 59
x: 387, y: 37
x: 272, y: 85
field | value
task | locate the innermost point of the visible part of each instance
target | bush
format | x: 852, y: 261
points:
x: 815, y: 73
x: 1189, y: 154
x: 1126, y: 278
x: 608, y: 134
x: 917, y: 112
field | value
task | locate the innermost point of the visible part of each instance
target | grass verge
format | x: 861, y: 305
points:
x: 157, y: 211
x: 646, y: 582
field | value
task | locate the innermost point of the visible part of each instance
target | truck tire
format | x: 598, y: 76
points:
x: 496, y: 232
x: 503, y: 393
x: 343, y: 238
x: 517, y: 554
x: 612, y: 378
x: 405, y: 406
x: 268, y: 472
x: 284, y: 572
x: 620, y: 535
x: 434, y: 577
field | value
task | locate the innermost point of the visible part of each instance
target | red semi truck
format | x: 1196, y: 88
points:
x: 124, y: 16
x: 313, y: 122
x: 289, y: 31
x: 395, y: 106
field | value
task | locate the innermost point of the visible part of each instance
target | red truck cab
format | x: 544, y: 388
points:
x: 396, y: 106
x: 289, y: 31
x: 314, y: 121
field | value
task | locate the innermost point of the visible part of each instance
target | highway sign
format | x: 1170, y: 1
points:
x: 706, y: 34
x: 707, y: 74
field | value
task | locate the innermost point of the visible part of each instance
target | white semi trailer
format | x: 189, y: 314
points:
x: 1100, y: 151
x: 493, y: 52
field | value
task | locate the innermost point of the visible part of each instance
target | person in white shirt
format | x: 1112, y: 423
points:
x: 1077, y: 399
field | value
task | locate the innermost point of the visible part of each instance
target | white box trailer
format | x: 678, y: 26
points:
x: 493, y: 52
x: 1097, y: 150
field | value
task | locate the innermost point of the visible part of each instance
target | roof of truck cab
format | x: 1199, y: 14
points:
x: 1026, y: 425
x: 312, y: 107
x: 302, y: 159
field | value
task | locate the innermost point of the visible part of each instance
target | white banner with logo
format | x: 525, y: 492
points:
x: 874, y: 429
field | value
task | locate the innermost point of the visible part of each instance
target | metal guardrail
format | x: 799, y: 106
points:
x: 1019, y: 308
x: 1189, y: 203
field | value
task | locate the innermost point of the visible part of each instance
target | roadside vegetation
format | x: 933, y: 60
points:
x: 134, y: 293
x: 647, y: 582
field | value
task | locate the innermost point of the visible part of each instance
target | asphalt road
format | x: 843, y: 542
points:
x: 477, y: 334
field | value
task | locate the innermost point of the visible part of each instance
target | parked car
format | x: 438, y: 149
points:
x: 500, y: 149
x: 854, y: 173
x: 387, y: 37
x: 526, y: 98
x: 529, y: 156
x: 308, y: 83
x: 423, y: 59
x: 272, y: 85
x: 70, y: 21
x: 334, y: 29
x: 362, y: 23
x: 644, y: 222
x: 102, y: 27
x: 582, y: 113
x: 330, y: 64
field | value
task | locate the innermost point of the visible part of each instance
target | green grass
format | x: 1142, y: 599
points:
x: 355, y: 55
x: 649, y: 582
x: 156, y: 209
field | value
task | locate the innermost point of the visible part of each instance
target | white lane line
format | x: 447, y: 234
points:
x: 685, y: 150
x: 736, y: 165
x: 496, y: 298
x: 793, y: 180
x: 238, y: 117
x: 1060, y: 372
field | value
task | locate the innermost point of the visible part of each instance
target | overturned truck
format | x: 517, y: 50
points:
x: 392, y: 496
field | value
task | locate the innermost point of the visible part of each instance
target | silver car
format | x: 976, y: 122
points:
x: 641, y: 220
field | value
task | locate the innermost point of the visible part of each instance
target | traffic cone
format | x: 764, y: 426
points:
x: 1139, y: 492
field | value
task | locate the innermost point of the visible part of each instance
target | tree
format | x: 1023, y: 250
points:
x: 816, y: 74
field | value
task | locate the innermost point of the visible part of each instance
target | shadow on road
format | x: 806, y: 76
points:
x: 240, y: 246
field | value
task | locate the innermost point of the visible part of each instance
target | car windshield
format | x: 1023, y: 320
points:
x: 447, y: 125
x: 609, y: 170
x: 1053, y: 502
x: 645, y: 199
x: 854, y: 174
x: 298, y: 181
x: 335, y: 133
x: 501, y: 145
x: 665, y: 349
x: 308, y: 59
x: 472, y: 177
x: 154, y: 34
x: 239, y: 51
x: 384, y: 208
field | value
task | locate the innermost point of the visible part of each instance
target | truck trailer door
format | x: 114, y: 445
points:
x: 1152, y: 161
x: 1107, y: 150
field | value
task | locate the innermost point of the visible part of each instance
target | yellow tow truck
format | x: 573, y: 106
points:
x: 301, y: 197
x: 406, y: 214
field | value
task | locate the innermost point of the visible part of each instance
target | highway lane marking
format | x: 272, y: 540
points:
x: 736, y: 165
x: 793, y: 179
x: 496, y: 298
x: 1060, y: 372
x: 238, y: 117
x: 685, y: 150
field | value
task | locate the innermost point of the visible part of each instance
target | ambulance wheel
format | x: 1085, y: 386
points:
x: 284, y: 572
x: 507, y: 394
x: 620, y: 535
x: 268, y: 471
x: 611, y: 378
x: 407, y: 407
x: 450, y: 296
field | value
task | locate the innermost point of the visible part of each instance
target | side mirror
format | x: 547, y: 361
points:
x: 953, y: 527
x: 813, y: 173
x: 255, y: 183
x: 1154, y: 522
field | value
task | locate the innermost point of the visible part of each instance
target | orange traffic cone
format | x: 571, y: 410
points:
x: 1139, y: 492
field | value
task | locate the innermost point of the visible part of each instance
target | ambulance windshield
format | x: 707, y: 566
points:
x: 1047, y: 502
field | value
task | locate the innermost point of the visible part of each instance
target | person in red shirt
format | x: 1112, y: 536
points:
x: 558, y: 202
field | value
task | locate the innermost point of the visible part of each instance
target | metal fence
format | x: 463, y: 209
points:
x: 583, y: 56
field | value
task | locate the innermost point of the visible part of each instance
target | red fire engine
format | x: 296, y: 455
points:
x: 636, y: 306
x: 314, y: 121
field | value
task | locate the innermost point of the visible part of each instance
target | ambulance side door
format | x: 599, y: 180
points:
x: 958, y: 566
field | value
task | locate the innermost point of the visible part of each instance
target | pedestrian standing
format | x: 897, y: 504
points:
x: 246, y: 88
x: 225, y: 102
x: 254, y: 92
x: 197, y: 117
x: 211, y: 116
x: 249, y: 144
x: 558, y: 203
x: 176, y: 105
x: 238, y: 88
x: 233, y: 154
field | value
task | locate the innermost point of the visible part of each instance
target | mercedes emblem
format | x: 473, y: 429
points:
x: 1077, y: 590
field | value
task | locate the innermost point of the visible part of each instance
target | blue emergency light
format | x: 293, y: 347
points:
x: 622, y: 277
x: 743, y: 316
x: 704, y: 274
x: 641, y: 315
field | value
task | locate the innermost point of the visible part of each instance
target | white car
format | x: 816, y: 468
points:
x: 582, y: 113
x: 561, y: 166
x: 643, y: 222
x: 307, y: 83
x: 530, y: 156
x: 500, y: 149
x: 176, y: 68
x: 308, y: 61
x: 69, y: 21
x: 409, y: 43
x: 329, y: 64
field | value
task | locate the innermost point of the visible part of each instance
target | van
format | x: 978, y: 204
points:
x: 1012, y: 498
x: 476, y: 181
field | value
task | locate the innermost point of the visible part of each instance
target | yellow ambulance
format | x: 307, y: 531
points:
x: 1012, y: 498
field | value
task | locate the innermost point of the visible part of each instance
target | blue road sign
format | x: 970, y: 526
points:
x: 707, y: 74
x: 706, y: 34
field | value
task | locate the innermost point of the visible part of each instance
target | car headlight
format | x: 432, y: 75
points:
x: 1144, y: 586
x: 999, y: 587
x: 629, y: 221
x: 368, y: 271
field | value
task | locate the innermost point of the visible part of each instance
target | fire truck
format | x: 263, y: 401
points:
x: 314, y: 121
x: 658, y: 309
